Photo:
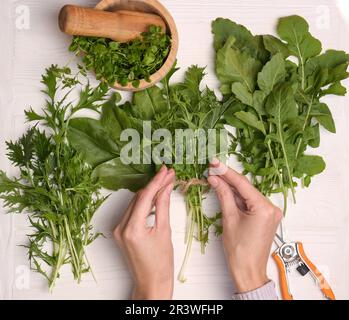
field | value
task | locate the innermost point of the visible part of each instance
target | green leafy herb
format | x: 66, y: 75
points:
x: 168, y: 106
x: 55, y: 185
x: 277, y: 110
x: 124, y: 62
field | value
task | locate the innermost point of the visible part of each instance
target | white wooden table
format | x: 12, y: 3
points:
x: 319, y: 219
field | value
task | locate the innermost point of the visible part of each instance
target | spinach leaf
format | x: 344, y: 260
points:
x: 149, y: 102
x: 115, y: 175
x: 91, y: 140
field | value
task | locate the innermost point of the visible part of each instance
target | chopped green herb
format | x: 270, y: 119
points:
x: 124, y: 62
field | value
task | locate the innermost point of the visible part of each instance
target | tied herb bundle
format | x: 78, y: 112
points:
x: 124, y: 62
x: 54, y: 185
x: 278, y: 110
x: 168, y: 106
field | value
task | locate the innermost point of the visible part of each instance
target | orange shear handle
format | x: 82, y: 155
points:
x: 285, y: 292
x: 324, y: 286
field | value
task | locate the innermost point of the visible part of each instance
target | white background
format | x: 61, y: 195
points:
x: 319, y: 219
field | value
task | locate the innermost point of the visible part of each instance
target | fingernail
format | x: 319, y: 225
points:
x: 214, y: 162
x: 171, y: 171
x: 219, y: 170
x: 213, y: 181
x: 163, y: 167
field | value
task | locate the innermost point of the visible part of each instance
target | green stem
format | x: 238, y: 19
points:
x: 75, y: 258
x: 310, y: 104
x: 60, y: 262
x: 287, y: 164
x: 284, y: 191
x: 181, y: 275
x: 201, y: 214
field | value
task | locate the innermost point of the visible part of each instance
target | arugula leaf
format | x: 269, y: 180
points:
x: 336, y: 88
x: 295, y: 31
x: 282, y: 105
x: 250, y: 119
x: 332, y: 63
x: 272, y: 73
x: 323, y: 115
x: 278, y: 116
x: 309, y: 165
x: 258, y: 102
x: 275, y: 46
x: 312, y: 135
x: 242, y: 93
x: 235, y: 66
x: 225, y: 28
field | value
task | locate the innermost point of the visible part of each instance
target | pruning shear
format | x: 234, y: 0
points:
x: 292, y: 254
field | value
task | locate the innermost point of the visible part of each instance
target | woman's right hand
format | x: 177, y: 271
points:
x: 249, y: 222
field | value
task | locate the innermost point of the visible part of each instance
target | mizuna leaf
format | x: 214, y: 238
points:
x: 272, y: 73
x: 190, y: 87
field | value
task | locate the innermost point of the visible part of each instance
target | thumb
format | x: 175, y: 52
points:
x: 225, y: 196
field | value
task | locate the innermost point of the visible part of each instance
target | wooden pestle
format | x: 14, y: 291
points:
x: 121, y: 25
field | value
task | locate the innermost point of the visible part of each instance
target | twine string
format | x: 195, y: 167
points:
x: 184, y: 185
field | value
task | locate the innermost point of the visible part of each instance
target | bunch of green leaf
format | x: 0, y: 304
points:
x: 277, y: 85
x: 124, y: 62
x: 54, y: 185
x: 177, y: 106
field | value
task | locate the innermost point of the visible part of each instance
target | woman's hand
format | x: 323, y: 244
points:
x: 149, y: 250
x: 249, y: 222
